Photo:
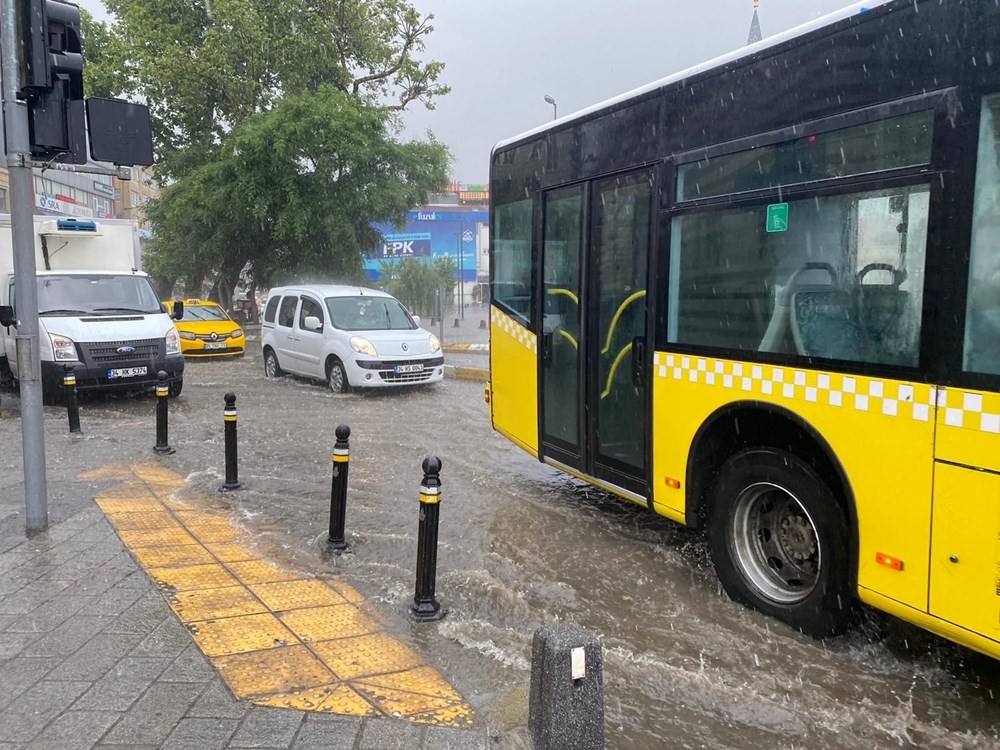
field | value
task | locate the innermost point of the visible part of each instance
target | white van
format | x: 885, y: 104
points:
x: 97, y: 313
x: 348, y: 336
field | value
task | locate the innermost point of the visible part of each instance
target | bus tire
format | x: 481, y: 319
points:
x: 779, y: 541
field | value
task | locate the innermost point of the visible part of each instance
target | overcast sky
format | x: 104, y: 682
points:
x: 503, y: 56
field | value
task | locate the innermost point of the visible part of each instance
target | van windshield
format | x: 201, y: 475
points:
x: 368, y: 314
x: 83, y: 294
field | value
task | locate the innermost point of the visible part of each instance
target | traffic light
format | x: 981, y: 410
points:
x: 52, y: 79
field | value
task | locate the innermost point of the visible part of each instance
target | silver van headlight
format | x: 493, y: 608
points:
x: 173, y: 342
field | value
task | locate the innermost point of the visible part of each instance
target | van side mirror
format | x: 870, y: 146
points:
x: 416, y: 320
x: 7, y: 318
x: 178, y: 311
x: 312, y: 323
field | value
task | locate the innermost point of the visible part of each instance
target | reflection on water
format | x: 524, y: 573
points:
x: 522, y: 546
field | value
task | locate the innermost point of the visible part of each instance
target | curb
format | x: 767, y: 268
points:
x: 467, y: 348
x: 480, y: 374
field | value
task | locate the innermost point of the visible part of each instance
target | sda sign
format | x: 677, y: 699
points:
x: 406, y: 246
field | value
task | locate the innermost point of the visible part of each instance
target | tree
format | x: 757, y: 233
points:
x: 294, y: 192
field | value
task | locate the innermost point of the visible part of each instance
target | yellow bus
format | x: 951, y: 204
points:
x: 762, y: 297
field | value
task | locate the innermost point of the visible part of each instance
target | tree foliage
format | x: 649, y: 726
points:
x: 276, y: 127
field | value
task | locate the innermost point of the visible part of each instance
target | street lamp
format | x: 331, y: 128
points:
x: 555, y: 111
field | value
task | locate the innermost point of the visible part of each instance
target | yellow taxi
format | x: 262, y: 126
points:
x: 207, y: 331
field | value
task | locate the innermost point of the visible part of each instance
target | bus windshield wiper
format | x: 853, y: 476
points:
x: 60, y: 311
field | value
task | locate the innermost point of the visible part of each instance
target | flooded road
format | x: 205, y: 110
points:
x: 523, y: 546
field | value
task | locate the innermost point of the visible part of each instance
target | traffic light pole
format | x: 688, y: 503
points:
x: 23, y: 236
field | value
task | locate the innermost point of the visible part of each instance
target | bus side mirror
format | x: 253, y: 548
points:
x: 178, y: 311
x: 7, y: 318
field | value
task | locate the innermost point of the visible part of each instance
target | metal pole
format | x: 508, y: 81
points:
x: 162, y: 429
x: 425, y: 607
x: 72, y: 406
x: 440, y: 301
x: 461, y: 269
x: 338, y: 491
x: 232, y: 469
x: 36, y: 511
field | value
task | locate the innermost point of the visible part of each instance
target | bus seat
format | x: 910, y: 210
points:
x: 886, y: 318
x: 823, y: 326
x: 775, y: 338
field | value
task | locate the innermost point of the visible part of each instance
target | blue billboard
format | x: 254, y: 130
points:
x: 429, y: 234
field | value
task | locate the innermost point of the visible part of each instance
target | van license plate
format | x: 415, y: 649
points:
x: 409, y: 368
x: 127, y: 372
x: 215, y: 345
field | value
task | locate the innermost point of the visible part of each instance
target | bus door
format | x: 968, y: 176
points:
x: 965, y: 550
x: 594, y: 409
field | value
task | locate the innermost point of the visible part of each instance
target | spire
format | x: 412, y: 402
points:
x: 755, y: 35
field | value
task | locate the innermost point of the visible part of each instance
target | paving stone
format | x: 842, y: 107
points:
x: 323, y: 732
x: 201, y: 734
x: 217, y: 702
x: 268, y: 727
x: 49, y: 615
x: 13, y: 644
x: 75, y: 730
x: 384, y: 734
x: 98, y: 656
x: 445, y: 738
x: 31, y: 596
x: 23, y: 718
x: 190, y: 666
x: 68, y: 637
x: 154, y: 715
x: 6, y: 620
x: 138, y: 580
x: 122, y: 685
x: 13, y: 582
x: 142, y: 617
x: 112, y: 602
x: 17, y: 675
x: 169, y: 640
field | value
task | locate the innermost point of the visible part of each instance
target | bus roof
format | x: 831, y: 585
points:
x: 718, y: 62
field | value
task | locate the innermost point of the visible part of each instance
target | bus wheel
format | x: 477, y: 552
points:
x: 779, y: 541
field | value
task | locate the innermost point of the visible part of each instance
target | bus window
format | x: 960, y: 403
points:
x: 982, y: 326
x: 842, y: 280
x: 511, y: 263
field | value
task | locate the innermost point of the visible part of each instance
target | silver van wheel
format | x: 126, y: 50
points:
x: 271, y: 368
x: 337, y: 378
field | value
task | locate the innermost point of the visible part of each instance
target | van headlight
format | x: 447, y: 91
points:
x: 363, y: 346
x: 435, y: 344
x: 63, y: 348
x: 173, y: 342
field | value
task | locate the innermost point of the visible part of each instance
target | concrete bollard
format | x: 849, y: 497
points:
x: 566, y: 705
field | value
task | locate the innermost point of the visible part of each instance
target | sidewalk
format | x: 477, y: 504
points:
x: 93, y: 656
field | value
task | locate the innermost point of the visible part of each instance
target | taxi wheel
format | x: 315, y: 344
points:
x: 271, y: 367
x: 336, y: 377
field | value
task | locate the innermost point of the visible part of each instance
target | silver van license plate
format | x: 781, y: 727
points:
x: 409, y: 368
x: 127, y: 372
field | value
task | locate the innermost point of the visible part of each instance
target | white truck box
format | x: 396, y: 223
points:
x: 98, y: 313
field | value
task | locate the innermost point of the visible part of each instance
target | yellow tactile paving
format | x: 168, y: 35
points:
x: 328, y: 623
x: 285, y: 595
x: 238, y: 635
x: 205, y: 604
x: 278, y: 637
x: 180, y: 555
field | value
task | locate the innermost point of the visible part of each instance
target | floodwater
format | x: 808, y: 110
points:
x: 523, y: 546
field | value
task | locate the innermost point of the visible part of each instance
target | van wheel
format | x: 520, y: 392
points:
x: 779, y: 541
x: 336, y: 377
x: 175, y: 387
x: 271, y: 368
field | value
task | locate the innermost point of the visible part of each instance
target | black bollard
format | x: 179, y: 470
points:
x: 229, y: 415
x: 425, y: 607
x: 72, y: 407
x: 338, y: 492
x: 162, y: 392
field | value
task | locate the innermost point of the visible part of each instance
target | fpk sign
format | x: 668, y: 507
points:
x: 406, y: 246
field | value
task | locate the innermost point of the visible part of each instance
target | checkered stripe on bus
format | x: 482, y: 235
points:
x: 514, y: 329
x: 907, y: 400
